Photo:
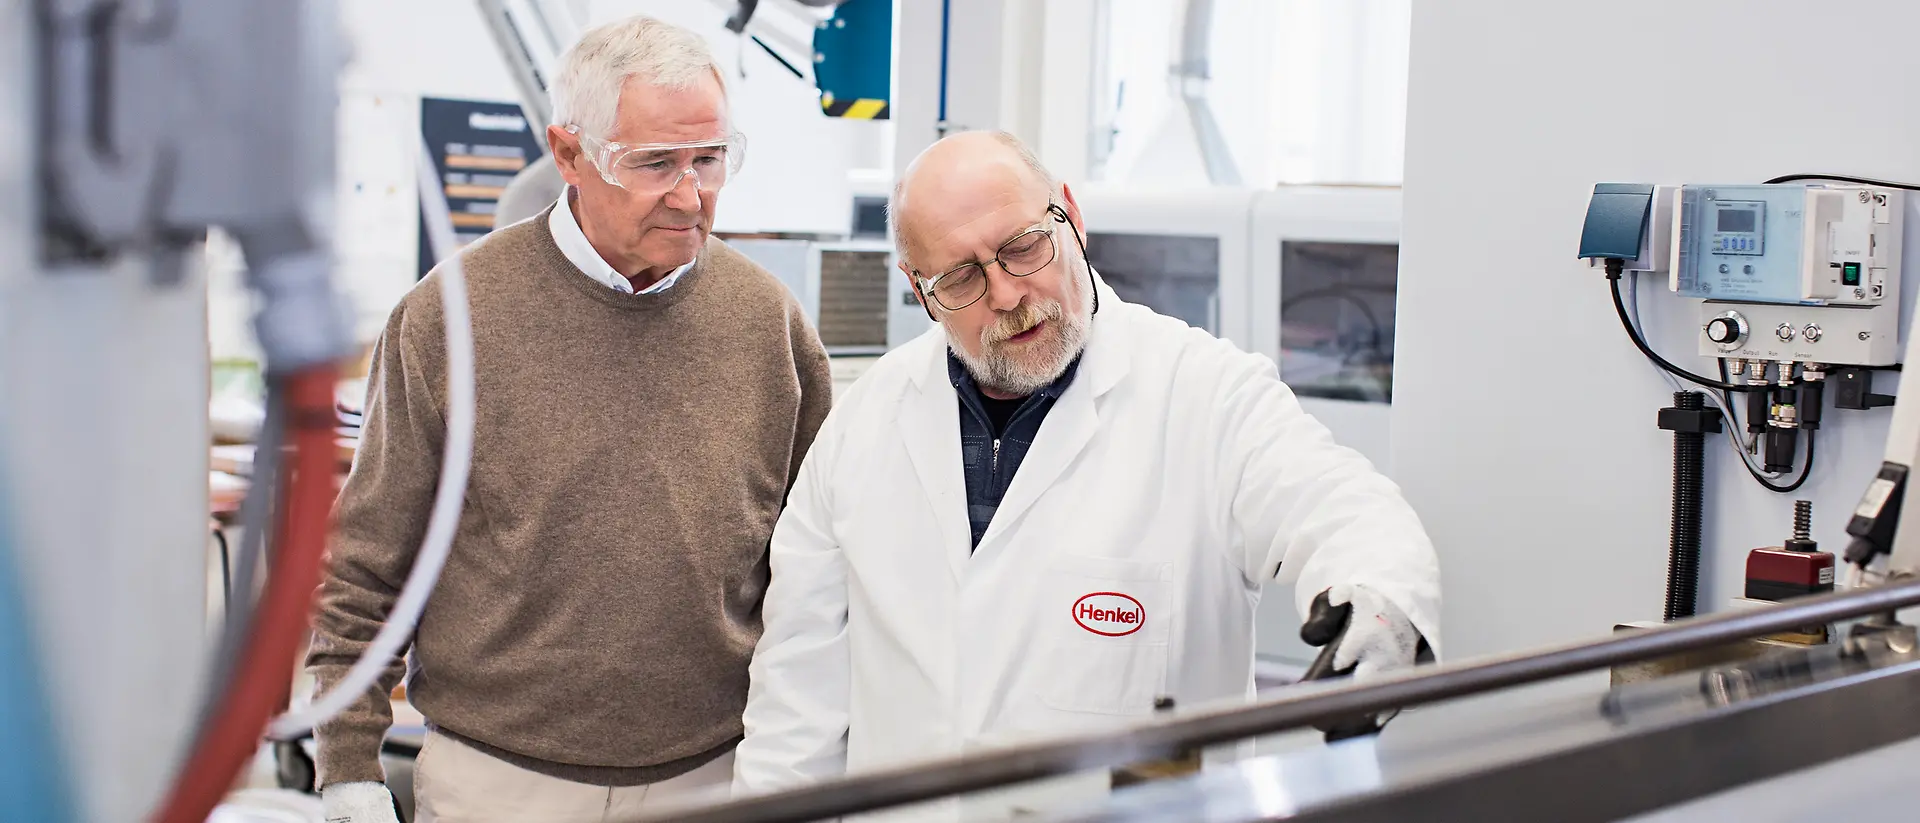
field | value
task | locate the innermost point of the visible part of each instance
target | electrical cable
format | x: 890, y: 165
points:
x: 256, y: 520
x: 1841, y: 178
x: 456, y: 462
x: 1633, y: 333
x: 1720, y: 398
x: 1761, y: 476
x: 261, y: 680
x: 1805, y: 470
x: 776, y: 56
x: 226, y: 570
x: 1728, y: 408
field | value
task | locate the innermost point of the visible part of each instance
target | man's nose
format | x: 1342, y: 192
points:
x: 685, y: 194
x: 1004, y: 291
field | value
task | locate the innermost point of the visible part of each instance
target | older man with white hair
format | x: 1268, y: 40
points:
x: 646, y: 395
x: 1052, y: 511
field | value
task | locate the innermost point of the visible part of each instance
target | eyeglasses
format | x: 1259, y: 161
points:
x: 657, y: 168
x: 964, y: 285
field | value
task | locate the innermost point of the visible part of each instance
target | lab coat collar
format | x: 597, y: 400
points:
x: 929, y: 420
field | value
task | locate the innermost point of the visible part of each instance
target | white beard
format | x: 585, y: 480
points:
x: 1041, y: 362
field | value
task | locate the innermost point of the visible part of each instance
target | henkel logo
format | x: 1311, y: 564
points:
x: 1109, y: 614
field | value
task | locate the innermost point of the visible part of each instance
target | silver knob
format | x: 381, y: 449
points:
x: 1727, y: 330
x: 1784, y: 332
x: 1811, y: 332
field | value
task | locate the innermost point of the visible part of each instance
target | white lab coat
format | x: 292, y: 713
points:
x: 1172, y: 478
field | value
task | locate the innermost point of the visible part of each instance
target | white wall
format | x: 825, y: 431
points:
x: 1523, y: 422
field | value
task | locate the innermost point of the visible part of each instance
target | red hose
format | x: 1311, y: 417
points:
x: 264, y: 675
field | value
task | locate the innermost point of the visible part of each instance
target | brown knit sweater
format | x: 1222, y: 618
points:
x: 631, y: 455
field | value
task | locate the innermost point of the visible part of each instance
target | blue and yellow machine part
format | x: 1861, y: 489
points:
x: 853, y: 60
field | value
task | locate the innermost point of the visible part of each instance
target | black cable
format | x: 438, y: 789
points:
x: 1805, y: 469
x: 1841, y: 178
x: 776, y: 56
x: 1726, y: 400
x: 226, y: 570
x: 256, y: 519
x: 1733, y: 420
x: 1620, y: 307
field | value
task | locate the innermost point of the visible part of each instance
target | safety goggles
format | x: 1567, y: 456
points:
x: 658, y: 168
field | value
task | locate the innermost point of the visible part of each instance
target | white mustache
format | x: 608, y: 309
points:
x: 1023, y: 318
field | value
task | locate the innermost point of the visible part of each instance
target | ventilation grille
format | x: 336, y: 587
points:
x: 853, y: 299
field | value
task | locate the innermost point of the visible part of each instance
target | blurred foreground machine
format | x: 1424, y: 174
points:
x: 1824, y: 732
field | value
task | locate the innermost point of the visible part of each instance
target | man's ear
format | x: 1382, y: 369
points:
x: 917, y: 294
x: 565, y: 148
x: 1073, y: 209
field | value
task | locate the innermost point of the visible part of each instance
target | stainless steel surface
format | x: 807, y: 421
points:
x: 1001, y: 767
x: 1628, y: 751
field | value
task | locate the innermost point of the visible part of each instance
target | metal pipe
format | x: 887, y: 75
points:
x: 1190, y: 76
x: 528, y: 72
x: 1000, y: 767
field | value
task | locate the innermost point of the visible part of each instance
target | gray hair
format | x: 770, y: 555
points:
x: 586, y: 92
x: 1005, y: 138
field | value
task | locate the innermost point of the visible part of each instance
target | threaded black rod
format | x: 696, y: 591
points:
x: 1683, y: 550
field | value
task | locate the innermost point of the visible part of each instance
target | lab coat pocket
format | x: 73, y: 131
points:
x: 1106, y: 626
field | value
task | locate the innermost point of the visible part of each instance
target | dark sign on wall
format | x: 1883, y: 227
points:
x: 477, y: 147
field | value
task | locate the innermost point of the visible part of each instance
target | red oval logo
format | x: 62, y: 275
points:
x: 1109, y: 614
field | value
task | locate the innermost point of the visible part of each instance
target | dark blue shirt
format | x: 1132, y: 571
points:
x: 994, y: 441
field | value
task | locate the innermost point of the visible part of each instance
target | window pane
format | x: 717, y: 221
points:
x: 1336, y: 319
x: 1304, y: 91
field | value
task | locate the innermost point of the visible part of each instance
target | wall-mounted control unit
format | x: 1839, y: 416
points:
x: 1791, y: 272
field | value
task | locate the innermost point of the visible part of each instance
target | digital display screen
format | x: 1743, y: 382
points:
x: 1740, y: 220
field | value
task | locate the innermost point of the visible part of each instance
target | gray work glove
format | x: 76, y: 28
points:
x: 1379, y: 637
x: 1362, y: 635
x: 365, y: 802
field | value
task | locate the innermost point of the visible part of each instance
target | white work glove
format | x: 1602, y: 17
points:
x: 364, y: 802
x: 1379, y: 636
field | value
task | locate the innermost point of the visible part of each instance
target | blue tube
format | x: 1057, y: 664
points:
x: 32, y: 780
x: 946, y: 19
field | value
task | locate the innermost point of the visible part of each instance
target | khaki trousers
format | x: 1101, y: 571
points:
x: 454, y: 783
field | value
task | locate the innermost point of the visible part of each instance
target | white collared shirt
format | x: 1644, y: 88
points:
x: 573, y: 243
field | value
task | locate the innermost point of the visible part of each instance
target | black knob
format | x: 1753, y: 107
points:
x: 1723, y: 330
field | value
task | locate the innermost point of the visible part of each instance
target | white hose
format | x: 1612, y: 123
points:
x: 456, y: 461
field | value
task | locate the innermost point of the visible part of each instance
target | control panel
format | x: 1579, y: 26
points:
x: 1791, y: 272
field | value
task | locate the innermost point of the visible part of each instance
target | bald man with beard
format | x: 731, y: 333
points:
x: 1051, y: 510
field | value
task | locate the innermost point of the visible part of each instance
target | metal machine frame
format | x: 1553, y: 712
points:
x: 1166, y: 739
